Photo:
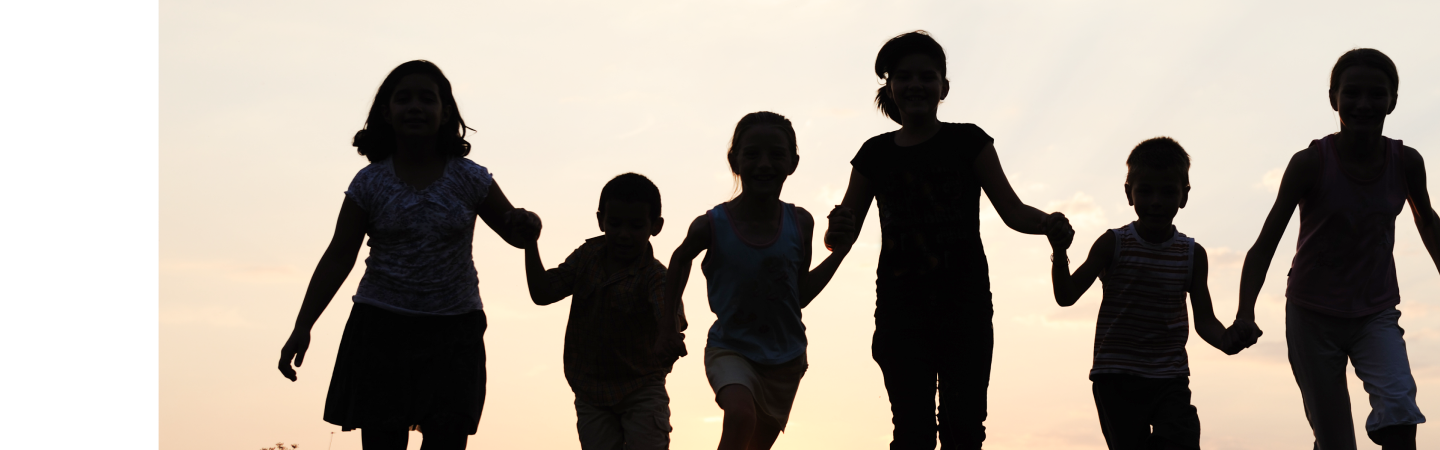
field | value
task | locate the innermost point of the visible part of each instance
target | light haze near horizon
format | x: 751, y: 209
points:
x: 259, y: 101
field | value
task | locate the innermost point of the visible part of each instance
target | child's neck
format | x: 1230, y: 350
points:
x: 751, y: 207
x: 1360, y: 146
x: 1154, y: 232
x: 613, y: 263
x: 917, y: 131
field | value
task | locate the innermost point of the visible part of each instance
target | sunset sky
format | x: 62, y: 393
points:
x: 258, y: 102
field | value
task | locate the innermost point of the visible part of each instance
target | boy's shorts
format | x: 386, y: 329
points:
x: 640, y: 421
x: 773, y: 386
x: 1130, y: 405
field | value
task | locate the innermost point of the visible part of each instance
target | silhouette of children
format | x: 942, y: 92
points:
x: 1141, y: 373
x: 413, y: 350
x: 618, y: 287
x: 932, y: 308
x: 757, y: 249
x: 1342, y: 291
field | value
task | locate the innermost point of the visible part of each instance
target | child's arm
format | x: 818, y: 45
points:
x: 334, y: 267
x: 1016, y: 214
x: 847, y: 217
x: 1299, y: 176
x: 546, y: 286
x: 502, y: 217
x: 1209, y: 328
x: 1425, y: 219
x: 1069, y: 288
x: 812, y: 282
x: 697, y: 239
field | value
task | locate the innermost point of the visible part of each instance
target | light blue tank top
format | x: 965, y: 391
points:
x: 755, y: 290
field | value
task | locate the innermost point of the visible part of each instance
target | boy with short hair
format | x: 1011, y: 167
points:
x: 618, y: 287
x: 1141, y: 372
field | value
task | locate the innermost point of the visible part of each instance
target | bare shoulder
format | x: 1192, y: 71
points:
x: 701, y: 225
x: 1200, y: 254
x: 1411, y: 157
x: 806, y: 220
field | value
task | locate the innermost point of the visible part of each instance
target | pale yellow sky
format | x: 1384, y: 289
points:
x: 259, y: 100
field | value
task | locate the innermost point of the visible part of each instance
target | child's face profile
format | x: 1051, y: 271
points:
x: 763, y: 160
x: 1363, y: 99
x: 1157, y: 194
x: 917, y: 86
x: 628, y: 227
x: 415, y: 108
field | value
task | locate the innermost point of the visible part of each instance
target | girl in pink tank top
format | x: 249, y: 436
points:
x: 1342, y: 292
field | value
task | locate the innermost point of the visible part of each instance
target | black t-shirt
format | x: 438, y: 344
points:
x: 931, y: 257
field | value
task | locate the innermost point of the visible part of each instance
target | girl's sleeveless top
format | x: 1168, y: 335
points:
x: 1344, y: 262
x: 1143, y: 326
x: 754, y: 290
x: 421, y: 261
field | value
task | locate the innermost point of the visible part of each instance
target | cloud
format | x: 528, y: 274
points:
x: 235, y: 271
x: 212, y: 316
x: 1271, y: 180
x: 1081, y: 210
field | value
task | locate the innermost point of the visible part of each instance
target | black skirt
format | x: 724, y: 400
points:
x: 396, y: 371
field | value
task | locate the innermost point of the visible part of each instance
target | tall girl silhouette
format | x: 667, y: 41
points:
x: 932, y: 308
x: 413, y: 352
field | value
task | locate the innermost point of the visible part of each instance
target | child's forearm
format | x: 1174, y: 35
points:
x: 329, y: 274
x: 1060, y: 279
x: 1211, y: 331
x: 817, y: 278
x: 676, y: 276
x: 542, y: 290
x: 1252, y: 278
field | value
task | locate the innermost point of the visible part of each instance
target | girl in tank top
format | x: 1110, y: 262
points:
x: 757, y: 252
x: 1342, y: 291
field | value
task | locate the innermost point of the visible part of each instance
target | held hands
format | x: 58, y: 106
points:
x: 524, y: 228
x: 840, y: 234
x: 1241, y: 335
x: 670, y: 346
x: 1057, y: 229
x: 294, y: 349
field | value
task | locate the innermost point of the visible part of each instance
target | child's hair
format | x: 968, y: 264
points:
x: 1161, y: 153
x: 897, y: 48
x: 1365, y: 57
x: 756, y: 119
x: 631, y: 187
x: 377, y: 139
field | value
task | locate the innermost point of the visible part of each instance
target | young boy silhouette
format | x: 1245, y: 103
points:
x: 1141, y: 372
x: 618, y: 287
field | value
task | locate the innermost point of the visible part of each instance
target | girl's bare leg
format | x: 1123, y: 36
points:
x: 739, y: 426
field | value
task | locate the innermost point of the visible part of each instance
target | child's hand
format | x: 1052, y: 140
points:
x: 840, y: 234
x: 1058, y: 231
x: 524, y: 227
x: 670, y: 346
x: 294, y: 349
x: 1240, y: 336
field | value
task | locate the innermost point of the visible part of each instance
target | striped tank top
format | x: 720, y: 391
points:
x: 1143, y: 325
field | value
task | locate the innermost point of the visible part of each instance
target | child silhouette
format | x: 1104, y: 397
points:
x: 1342, y: 291
x: 413, y: 351
x: 1141, y: 371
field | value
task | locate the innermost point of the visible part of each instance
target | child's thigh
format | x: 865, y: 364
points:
x: 1383, y: 366
x: 1176, y: 422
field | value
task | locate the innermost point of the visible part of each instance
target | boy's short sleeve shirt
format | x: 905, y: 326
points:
x: 612, y: 325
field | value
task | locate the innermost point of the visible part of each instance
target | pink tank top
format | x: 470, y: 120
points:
x: 1344, y: 263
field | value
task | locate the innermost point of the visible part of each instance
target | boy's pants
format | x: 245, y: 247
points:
x: 1319, y: 344
x: 640, y: 421
x: 1131, y: 406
